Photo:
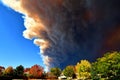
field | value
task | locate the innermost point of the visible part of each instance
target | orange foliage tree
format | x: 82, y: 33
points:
x: 36, y: 71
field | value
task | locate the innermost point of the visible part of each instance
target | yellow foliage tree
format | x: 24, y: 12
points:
x: 83, y: 69
x: 69, y: 71
x: 9, y: 70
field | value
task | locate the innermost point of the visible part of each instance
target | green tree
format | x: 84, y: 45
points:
x: 55, y: 71
x: 107, y: 67
x: 69, y: 71
x: 19, y: 71
x: 83, y: 69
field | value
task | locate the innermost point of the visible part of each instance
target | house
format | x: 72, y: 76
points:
x: 26, y: 71
x: 62, y: 76
x: 2, y: 69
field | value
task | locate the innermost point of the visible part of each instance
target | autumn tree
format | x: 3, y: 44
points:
x: 9, y: 71
x: 55, y: 71
x: 69, y: 71
x: 36, y: 71
x: 107, y: 67
x: 83, y: 69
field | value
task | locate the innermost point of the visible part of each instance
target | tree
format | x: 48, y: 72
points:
x: 107, y: 67
x: 83, y: 69
x: 69, y: 71
x: 55, y: 71
x: 36, y: 71
x: 19, y: 71
x: 9, y: 71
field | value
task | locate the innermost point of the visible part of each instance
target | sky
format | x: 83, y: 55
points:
x: 15, y: 50
x: 61, y: 29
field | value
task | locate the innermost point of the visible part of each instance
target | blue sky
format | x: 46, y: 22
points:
x: 15, y: 50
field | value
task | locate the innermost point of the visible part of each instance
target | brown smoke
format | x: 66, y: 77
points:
x: 68, y: 30
x: 38, y: 18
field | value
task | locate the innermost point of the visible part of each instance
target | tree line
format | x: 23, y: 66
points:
x: 106, y: 67
x: 20, y: 72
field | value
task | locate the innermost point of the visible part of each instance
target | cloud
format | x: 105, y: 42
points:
x: 67, y: 30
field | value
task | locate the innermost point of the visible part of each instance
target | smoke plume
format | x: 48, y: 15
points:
x: 70, y: 30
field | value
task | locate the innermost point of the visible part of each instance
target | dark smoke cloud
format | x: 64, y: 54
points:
x: 70, y: 30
